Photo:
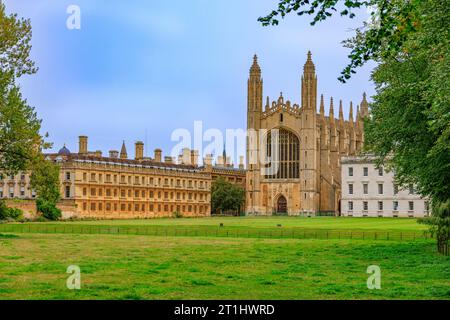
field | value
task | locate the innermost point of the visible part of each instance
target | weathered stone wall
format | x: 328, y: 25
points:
x: 28, y: 207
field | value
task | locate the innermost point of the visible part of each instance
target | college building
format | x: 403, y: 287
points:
x: 116, y: 187
x: 370, y: 191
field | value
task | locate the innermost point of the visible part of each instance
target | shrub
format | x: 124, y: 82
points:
x: 40, y: 219
x: 15, y: 213
x: 177, y: 214
x: 7, y: 213
x: 49, y: 210
x: 3, y: 210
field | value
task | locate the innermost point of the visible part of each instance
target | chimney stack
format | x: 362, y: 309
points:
x: 241, y: 162
x: 194, y: 158
x: 139, y: 150
x: 207, y: 161
x: 98, y: 153
x: 168, y: 160
x: 114, y: 154
x: 186, y: 156
x: 158, y: 155
x: 83, y: 147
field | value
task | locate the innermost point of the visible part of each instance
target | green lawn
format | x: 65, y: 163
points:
x: 242, y: 227
x: 33, y: 266
x: 401, y: 224
x: 247, y: 258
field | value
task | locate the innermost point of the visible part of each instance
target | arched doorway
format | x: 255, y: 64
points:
x: 282, y: 205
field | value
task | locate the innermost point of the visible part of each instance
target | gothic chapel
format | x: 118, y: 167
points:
x: 310, y: 145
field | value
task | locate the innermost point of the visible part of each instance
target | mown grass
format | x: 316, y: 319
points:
x: 269, y: 227
x: 33, y: 266
x: 398, y: 224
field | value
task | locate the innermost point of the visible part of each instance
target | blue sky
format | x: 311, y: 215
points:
x: 138, y: 70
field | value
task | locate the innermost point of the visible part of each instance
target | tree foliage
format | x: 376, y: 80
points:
x: 44, y: 180
x: 409, y: 128
x: 380, y: 37
x: 9, y: 213
x: 48, y: 209
x: 20, y: 140
x: 440, y: 225
x: 15, y: 46
x: 410, y: 117
x: 226, y: 197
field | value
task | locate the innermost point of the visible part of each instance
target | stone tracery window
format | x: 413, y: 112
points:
x: 288, y: 155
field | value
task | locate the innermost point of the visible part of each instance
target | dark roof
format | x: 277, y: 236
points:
x: 64, y: 151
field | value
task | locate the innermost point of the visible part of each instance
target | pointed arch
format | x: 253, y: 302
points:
x: 281, y: 204
x: 287, y: 159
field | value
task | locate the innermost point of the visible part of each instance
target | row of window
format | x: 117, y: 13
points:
x: 142, y: 194
x: 109, y: 178
x: 13, y: 177
x: 395, y: 206
x: 380, y: 188
x: 11, y: 193
x: 143, y: 207
x: 366, y: 171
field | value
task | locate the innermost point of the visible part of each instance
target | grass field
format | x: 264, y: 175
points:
x: 261, y: 227
x: 33, y: 265
x: 288, y: 222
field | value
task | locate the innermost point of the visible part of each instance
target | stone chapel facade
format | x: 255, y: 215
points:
x: 310, y: 145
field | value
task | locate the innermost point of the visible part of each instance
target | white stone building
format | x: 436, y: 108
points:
x: 368, y: 191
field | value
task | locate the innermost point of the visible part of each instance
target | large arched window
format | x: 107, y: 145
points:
x: 288, y: 160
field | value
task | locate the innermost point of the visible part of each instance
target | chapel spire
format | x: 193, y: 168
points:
x: 364, y: 106
x: 123, y: 151
x: 331, y: 115
x: 341, y: 112
x: 255, y: 70
x: 350, y: 117
x: 322, y: 106
x: 309, y: 85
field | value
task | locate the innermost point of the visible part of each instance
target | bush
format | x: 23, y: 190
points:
x: 15, y: 213
x: 49, y: 210
x: 439, y: 224
x: 177, y: 214
x: 7, y: 213
x: 40, y: 219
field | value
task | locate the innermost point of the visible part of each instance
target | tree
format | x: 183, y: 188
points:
x: 409, y: 128
x: 15, y: 46
x: 20, y: 141
x: 226, y: 197
x: 409, y: 125
x: 44, y: 180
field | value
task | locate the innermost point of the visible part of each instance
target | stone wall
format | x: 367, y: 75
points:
x: 28, y: 207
